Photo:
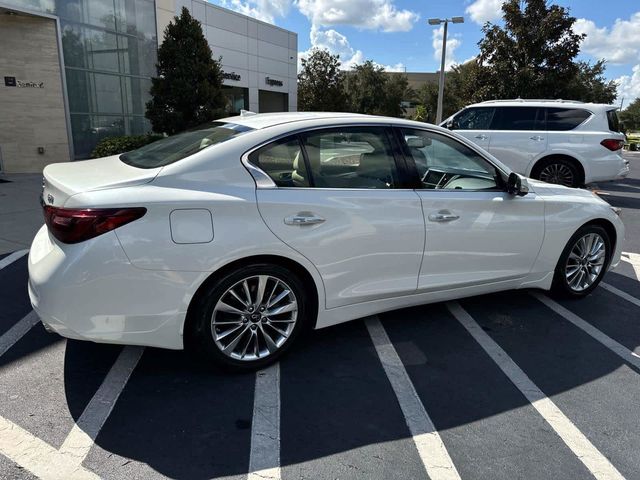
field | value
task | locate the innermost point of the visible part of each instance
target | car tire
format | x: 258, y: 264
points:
x: 558, y: 171
x: 261, y: 334
x: 579, y: 272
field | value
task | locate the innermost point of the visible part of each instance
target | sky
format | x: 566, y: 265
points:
x: 395, y: 33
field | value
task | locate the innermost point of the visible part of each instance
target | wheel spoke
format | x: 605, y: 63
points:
x: 279, y: 297
x: 234, y: 343
x: 262, y: 285
x: 225, y: 307
x: 237, y: 297
x: 246, y: 345
x: 245, y: 287
x: 289, y: 307
x: 226, y: 333
x: 271, y: 345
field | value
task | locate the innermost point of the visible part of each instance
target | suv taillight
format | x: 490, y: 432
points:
x: 612, y: 144
x: 70, y: 225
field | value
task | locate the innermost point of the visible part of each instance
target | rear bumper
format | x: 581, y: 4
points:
x: 90, y: 291
x: 612, y: 167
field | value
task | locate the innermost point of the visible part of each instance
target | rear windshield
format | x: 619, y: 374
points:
x: 176, y: 147
x: 614, y: 122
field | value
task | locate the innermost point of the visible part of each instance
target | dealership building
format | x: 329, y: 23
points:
x: 75, y: 71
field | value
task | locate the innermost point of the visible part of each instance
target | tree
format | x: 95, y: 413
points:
x: 630, y: 116
x: 321, y: 83
x: 533, y: 56
x: 188, y: 89
x: 370, y: 90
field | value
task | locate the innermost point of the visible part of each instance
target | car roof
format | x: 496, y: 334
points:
x: 519, y: 102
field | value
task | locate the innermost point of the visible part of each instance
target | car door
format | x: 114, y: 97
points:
x: 474, y: 123
x: 518, y: 136
x: 346, y: 209
x: 476, y: 233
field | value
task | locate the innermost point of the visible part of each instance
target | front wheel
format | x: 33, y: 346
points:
x: 583, y: 262
x: 249, y: 318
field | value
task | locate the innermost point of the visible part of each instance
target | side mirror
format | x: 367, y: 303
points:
x: 450, y: 125
x: 517, y: 185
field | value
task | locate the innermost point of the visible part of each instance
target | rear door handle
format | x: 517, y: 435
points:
x: 481, y: 137
x: 443, y: 217
x: 537, y: 138
x: 303, y: 218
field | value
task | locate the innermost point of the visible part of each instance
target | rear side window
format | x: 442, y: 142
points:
x: 563, y: 119
x: 283, y: 161
x: 474, y: 119
x: 613, y: 120
x: 518, y: 118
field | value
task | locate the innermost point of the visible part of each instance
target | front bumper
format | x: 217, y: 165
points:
x: 90, y: 291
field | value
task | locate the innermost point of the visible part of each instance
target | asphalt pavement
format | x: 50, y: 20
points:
x: 507, y: 386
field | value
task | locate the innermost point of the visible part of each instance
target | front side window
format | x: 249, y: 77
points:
x: 176, y: 147
x: 445, y: 163
x: 350, y: 157
x: 474, y: 119
x: 563, y: 119
x: 518, y: 118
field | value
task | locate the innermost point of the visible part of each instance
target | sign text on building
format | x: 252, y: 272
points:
x: 272, y: 82
x: 231, y: 76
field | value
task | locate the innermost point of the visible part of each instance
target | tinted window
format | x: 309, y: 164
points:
x: 284, y: 162
x: 354, y: 157
x: 614, y: 122
x: 473, y: 119
x: 517, y: 118
x: 445, y: 163
x: 176, y: 147
x: 562, y: 119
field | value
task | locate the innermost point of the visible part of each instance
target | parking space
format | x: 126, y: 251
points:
x: 505, y: 386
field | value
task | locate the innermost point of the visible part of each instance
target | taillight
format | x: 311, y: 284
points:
x: 612, y: 144
x: 70, y: 225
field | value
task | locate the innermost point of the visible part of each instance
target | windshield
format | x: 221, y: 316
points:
x: 176, y: 147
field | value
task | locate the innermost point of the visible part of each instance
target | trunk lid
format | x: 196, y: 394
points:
x: 63, y: 180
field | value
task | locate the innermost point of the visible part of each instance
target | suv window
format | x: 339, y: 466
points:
x: 614, y: 121
x: 284, y: 162
x: 350, y: 157
x: 563, y: 119
x: 474, y: 119
x: 518, y: 118
x: 445, y: 163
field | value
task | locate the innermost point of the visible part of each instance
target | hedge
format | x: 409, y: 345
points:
x: 115, y: 145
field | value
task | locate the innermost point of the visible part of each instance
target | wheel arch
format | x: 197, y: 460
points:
x: 305, y: 276
x: 563, y: 156
x: 608, y: 227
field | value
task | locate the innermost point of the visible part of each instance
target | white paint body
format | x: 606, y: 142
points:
x: 520, y: 150
x: 375, y: 252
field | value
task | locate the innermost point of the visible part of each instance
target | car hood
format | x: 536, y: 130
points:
x: 551, y: 190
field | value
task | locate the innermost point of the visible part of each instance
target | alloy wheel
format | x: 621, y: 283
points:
x: 254, y: 318
x: 585, y: 262
x: 557, y: 173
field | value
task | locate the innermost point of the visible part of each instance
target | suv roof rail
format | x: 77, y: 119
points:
x: 542, y: 100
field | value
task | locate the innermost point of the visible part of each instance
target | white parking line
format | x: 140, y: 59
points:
x: 37, y: 456
x: 620, y: 293
x: 264, y: 459
x: 9, y: 259
x: 634, y: 260
x: 620, y: 350
x: 84, y: 432
x: 432, y: 451
x: 19, y: 330
x: 589, y: 455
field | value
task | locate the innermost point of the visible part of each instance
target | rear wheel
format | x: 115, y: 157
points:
x: 559, y: 171
x: 249, y: 318
x: 583, y: 262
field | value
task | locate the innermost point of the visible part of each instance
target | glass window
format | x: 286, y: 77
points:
x: 171, y: 149
x: 284, y: 162
x: 517, y: 118
x: 88, y: 130
x: 614, y: 121
x: 474, y: 119
x: 445, y: 163
x: 353, y: 157
x: 237, y: 98
x: 563, y: 119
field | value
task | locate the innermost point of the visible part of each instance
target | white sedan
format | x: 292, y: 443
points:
x: 235, y: 237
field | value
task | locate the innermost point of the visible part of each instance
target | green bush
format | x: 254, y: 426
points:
x: 115, y: 145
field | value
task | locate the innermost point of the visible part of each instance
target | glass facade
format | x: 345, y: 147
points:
x: 237, y: 98
x: 110, y: 52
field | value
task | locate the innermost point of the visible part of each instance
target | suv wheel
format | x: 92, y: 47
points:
x: 559, y: 171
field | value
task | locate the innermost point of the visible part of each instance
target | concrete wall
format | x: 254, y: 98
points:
x: 250, y: 48
x: 31, y: 117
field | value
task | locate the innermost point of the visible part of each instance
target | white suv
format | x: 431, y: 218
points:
x: 556, y: 141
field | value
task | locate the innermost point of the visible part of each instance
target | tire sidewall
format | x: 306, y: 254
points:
x: 200, y: 336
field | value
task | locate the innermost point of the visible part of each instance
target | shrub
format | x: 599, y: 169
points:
x: 115, y: 145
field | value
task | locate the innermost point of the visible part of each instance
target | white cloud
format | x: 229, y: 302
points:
x: 453, y: 42
x: 629, y: 86
x: 265, y: 10
x: 619, y: 44
x: 365, y: 14
x: 482, y: 11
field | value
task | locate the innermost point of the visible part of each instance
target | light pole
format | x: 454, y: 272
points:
x: 438, y: 21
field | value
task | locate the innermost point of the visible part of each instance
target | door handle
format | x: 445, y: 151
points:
x: 537, y: 138
x: 443, y: 217
x: 303, y: 218
x: 481, y: 137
